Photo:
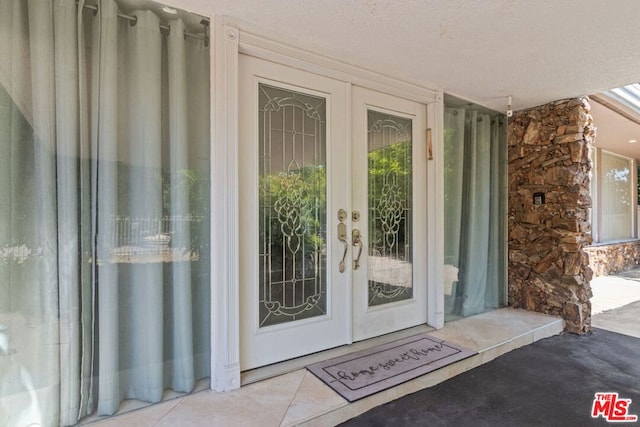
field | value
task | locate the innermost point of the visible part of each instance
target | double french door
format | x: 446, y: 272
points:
x: 332, y: 213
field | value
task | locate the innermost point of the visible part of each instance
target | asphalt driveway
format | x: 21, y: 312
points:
x: 552, y: 382
x: 549, y: 383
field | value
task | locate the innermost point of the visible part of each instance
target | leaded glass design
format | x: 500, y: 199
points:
x: 292, y: 206
x: 390, y: 269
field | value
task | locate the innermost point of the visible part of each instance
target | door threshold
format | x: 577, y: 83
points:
x: 281, y: 368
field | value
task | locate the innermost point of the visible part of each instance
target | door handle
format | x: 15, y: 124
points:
x: 342, y: 237
x: 356, y: 238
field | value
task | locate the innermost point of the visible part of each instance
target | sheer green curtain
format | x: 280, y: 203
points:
x: 104, y: 209
x: 474, y: 211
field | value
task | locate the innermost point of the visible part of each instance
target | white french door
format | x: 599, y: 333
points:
x: 292, y: 134
x: 390, y: 222
x: 332, y: 213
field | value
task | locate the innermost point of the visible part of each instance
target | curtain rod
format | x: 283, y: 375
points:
x: 133, y: 19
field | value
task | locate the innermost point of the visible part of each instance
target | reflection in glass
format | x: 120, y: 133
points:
x: 292, y: 206
x: 474, y: 209
x: 615, y: 178
x: 390, y: 270
x: 104, y: 210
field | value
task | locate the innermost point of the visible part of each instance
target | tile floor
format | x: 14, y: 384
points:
x: 299, y: 398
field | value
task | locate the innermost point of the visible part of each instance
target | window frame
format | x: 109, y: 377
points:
x: 597, y: 199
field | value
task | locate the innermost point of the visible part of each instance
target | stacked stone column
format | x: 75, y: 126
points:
x: 549, y: 156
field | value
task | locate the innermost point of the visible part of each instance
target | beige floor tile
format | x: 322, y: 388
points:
x: 144, y: 417
x: 312, y: 398
x: 261, y: 404
x: 548, y: 331
x: 280, y: 387
x: 231, y: 410
x: 493, y: 328
x: 299, y: 398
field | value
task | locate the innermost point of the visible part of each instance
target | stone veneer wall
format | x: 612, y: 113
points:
x: 613, y: 258
x: 548, y: 268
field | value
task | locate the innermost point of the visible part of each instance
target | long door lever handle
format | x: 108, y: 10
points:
x: 342, y: 236
x: 357, y: 241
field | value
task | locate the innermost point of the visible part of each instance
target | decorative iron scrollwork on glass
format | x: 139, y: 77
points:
x: 390, y: 268
x: 277, y: 102
x: 292, y: 205
x: 390, y: 210
x: 401, y: 126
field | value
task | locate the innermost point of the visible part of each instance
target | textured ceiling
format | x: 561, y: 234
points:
x: 536, y: 51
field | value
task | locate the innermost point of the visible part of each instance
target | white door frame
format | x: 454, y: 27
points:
x: 227, y: 42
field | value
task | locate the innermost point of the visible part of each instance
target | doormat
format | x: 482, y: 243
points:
x: 365, y: 372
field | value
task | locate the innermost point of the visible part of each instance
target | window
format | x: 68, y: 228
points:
x: 474, y: 210
x: 614, y: 191
x: 104, y: 208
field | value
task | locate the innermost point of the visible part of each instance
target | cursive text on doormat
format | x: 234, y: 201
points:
x: 366, y: 372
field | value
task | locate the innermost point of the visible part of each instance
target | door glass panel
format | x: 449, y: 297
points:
x: 292, y: 205
x: 390, y: 269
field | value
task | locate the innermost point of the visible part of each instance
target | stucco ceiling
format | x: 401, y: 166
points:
x: 537, y: 51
